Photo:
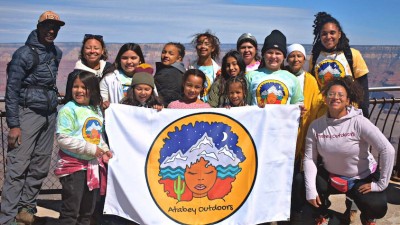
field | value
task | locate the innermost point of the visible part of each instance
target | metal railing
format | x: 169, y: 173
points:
x: 384, y: 113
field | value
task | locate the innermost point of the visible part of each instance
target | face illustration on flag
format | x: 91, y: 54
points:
x: 272, y: 92
x: 206, y: 167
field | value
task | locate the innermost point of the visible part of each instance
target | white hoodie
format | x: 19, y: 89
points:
x: 99, y: 73
x: 111, y: 87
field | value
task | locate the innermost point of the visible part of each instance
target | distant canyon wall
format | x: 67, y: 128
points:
x: 383, y: 61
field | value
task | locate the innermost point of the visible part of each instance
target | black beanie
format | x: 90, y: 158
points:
x: 275, y: 40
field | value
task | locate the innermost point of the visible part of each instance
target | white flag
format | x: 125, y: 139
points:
x: 201, y: 166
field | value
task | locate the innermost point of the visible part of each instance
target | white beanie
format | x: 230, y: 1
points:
x: 296, y: 47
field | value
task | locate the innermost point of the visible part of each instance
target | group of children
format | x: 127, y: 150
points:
x: 80, y: 123
x: 80, y: 131
x: 203, y: 85
x: 172, y: 85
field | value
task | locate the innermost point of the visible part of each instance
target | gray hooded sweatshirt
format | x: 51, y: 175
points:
x: 344, y: 147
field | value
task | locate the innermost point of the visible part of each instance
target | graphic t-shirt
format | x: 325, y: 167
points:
x: 82, y: 123
x: 211, y: 73
x: 125, y: 81
x: 334, y: 65
x: 210, y: 76
x: 273, y: 87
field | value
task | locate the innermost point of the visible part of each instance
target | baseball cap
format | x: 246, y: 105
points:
x: 52, y: 16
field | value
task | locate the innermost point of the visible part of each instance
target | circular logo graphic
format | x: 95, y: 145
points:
x: 201, y: 168
x: 207, y: 86
x: 328, y: 70
x: 272, y: 92
x: 91, y: 130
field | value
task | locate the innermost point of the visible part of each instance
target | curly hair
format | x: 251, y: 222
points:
x: 213, y: 40
x: 355, y: 93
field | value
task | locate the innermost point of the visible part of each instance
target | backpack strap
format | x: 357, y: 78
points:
x: 349, y: 57
x: 313, y: 61
x: 45, y: 88
x: 35, y: 57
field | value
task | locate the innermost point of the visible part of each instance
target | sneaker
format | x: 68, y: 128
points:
x: 353, y: 216
x: 322, y: 220
x: 26, y: 216
x: 369, y: 222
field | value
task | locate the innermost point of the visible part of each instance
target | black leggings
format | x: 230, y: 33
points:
x: 372, y: 205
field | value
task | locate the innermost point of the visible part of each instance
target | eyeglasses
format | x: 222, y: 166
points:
x: 95, y: 36
x: 340, y: 95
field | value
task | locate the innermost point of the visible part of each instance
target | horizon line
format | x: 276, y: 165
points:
x: 188, y: 43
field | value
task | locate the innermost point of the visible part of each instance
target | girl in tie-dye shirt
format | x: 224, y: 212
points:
x: 82, y: 150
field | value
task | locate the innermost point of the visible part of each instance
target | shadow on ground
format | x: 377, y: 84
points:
x: 45, y: 221
x: 393, y: 194
x: 338, y: 217
x: 54, y: 205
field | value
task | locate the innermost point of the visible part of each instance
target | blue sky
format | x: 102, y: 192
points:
x: 366, y: 22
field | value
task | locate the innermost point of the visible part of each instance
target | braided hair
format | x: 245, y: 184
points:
x: 196, y: 73
x: 236, y: 79
x: 321, y: 19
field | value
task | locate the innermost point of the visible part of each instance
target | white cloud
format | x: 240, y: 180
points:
x: 146, y: 21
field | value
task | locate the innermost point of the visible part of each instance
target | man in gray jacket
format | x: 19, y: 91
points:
x: 31, y: 110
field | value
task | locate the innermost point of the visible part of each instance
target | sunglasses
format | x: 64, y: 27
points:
x: 95, y: 36
x: 50, y: 26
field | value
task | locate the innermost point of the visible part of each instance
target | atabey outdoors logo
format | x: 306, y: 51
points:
x: 201, y: 168
x: 272, y: 92
x: 328, y: 70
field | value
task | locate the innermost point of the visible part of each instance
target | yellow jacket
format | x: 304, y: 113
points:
x: 315, y: 106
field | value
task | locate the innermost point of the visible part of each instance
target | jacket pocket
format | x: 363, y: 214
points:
x: 40, y: 98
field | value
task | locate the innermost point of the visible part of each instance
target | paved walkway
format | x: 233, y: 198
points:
x: 49, y: 206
